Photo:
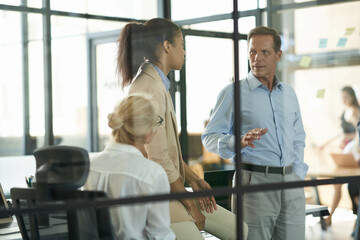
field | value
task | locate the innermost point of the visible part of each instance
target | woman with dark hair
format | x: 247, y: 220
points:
x: 348, y: 145
x: 146, y: 54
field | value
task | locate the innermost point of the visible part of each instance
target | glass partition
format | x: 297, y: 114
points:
x: 319, y: 58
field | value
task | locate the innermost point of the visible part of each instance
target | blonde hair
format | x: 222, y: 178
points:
x: 132, y: 118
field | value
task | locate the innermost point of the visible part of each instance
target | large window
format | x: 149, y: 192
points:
x: 24, y: 75
x: 78, y: 38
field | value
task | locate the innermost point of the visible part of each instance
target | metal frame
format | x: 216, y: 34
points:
x: 237, y: 106
x: 49, y: 131
x: 27, y: 144
x: 92, y: 41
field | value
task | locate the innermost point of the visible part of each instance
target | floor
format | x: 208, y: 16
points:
x: 340, y: 229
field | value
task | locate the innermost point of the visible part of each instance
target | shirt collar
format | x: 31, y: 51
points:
x: 254, y: 82
x: 163, y: 77
x: 115, y: 146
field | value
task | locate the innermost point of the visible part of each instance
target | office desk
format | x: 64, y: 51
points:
x: 58, y: 229
x: 329, y: 172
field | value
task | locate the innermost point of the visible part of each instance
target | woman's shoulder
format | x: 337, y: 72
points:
x: 147, y: 79
x: 352, y: 111
x: 125, y: 161
x: 148, y: 171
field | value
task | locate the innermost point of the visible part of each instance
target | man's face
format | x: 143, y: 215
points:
x: 262, y: 56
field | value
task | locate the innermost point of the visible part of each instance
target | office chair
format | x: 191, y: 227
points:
x: 94, y: 223
x: 60, y: 172
x: 28, y: 223
x: 220, y: 178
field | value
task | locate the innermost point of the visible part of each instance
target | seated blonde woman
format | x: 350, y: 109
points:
x: 122, y: 170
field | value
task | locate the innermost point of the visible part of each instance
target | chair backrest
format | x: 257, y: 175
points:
x: 28, y: 224
x: 78, y: 224
x: 62, y: 166
x: 89, y: 223
x: 60, y: 172
x: 220, y: 178
x: 59, y: 167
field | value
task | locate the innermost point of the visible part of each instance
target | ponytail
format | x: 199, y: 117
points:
x: 139, y: 42
x: 131, y: 53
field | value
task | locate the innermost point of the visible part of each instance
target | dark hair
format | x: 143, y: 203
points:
x: 351, y: 92
x: 139, y: 42
x: 261, y: 30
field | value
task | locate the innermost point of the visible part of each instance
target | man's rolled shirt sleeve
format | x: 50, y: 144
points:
x: 218, y: 136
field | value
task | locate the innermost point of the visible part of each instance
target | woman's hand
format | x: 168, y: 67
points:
x: 251, y: 136
x: 197, y: 215
x: 207, y: 204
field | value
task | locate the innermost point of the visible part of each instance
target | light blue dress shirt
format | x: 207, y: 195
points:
x: 163, y: 77
x: 278, y: 110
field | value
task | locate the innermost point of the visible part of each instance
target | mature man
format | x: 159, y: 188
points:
x: 270, y: 109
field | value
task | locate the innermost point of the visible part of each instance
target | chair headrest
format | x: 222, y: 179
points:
x: 61, y: 166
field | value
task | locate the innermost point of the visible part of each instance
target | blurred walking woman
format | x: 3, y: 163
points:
x: 146, y: 54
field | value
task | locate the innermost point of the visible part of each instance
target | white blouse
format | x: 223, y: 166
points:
x: 122, y: 171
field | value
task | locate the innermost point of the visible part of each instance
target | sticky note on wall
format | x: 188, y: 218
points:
x: 349, y: 31
x: 341, y: 42
x: 305, y: 61
x: 323, y: 42
x: 320, y: 93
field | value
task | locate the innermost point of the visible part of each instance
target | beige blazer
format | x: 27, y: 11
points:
x: 165, y: 145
